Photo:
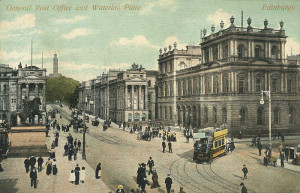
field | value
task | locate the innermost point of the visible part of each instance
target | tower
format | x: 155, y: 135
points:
x: 55, y: 65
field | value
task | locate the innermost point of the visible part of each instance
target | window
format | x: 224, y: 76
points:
x: 205, y: 115
x: 136, y: 117
x: 206, y: 58
x: 292, y: 115
x: 144, y: 117
x: 274, y: 85
x: 216, y: 144
x: 241, y: 85
x: 5, y: 89
x: 260, y: 116
x: 190, y: 90
x: 276, y: 116
x: 166, y: 112
x: 166, y: 90
x: 224, y: 115
x: 149, y: 83
x: 216, y: 84
x: 171, y: 113
x: 289, y: 86
x: 257, y: 52
x: 226, y: 83
x: 207, y: 84
x: 258, y: 83
x: 195, y: 86
x: 225, y: 51
x: 243, y: 116
x: 274, y: 52
x: 182, y: 65
x: 215, y: 53
x: 215, y: 114
x: 241, y: 50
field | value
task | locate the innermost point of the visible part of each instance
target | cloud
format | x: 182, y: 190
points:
x: 20, y: 22
x: 158, y: 3
x: 77, y: 18
x: 77, y: 32
x: 35, y: 32
x: 219, y: 15
x: 292, y: 45
x: 137, y: 41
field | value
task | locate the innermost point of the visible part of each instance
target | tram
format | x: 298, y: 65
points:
x: 209, y: 143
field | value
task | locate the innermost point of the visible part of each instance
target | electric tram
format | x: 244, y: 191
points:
x: 209, y: 143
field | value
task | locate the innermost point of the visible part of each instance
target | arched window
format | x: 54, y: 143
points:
x: 160, y: 112
x: 276, y: 115
x: 292, y: 115
x: 215, y: 53
x: 166, y: 113
x: 291, y: 84
x: 225, y: 83
x: 260, y: 116
x: 243, y: 116
x: 205, y: 114
x: 136, y: 117
x: 190, y: 89
x: 216, y: 84
x: 258, y: 52
x: 275, y: 87
x: 195, y: 86
x: 206, y: 54
x: 274, y: 52
x: 171, y: 113
x: 129, y: 117
x: 259, y: 82
x: 207, y: 84
x: 225, y: 51
x: 166, y: 89
x: 215, y: 115
x: 241, y: 51
x: 241, y: 85
x: 143, y: 117
x: 224, y: 115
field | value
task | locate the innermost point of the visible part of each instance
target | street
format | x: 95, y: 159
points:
x: 120, y: 153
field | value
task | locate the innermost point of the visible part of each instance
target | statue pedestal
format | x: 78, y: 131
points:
x: 27, y: 140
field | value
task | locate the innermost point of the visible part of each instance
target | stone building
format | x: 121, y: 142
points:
x: 17, y: 85
x: 235, y: 65
x: 122, y: 96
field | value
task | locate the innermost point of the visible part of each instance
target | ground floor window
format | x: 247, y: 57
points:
x: 144, y: 117
x: 129, y: 117
x: 136, y: 117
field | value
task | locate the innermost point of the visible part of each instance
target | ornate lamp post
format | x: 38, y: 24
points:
x: 270, y: 112
x: 84, y: 127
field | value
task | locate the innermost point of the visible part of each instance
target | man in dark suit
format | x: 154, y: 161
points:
x: 163, y: 146
x: 33, y: 177
x: 150, y: 164
x: 170, y: 147
x: 32, y: 161
x: 168, y: 182
x: 40, y: 163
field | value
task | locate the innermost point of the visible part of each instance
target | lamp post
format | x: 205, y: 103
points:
x: 84, y: 129
x: 270, y: 112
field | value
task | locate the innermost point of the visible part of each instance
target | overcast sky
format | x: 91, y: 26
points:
x: 89, y: 42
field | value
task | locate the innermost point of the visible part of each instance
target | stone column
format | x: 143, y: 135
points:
x: 27, y: 91
x: 126, y: 97
x: 36, y: 90
x: 146, y: 98
x: 140, y: 97
x: 132, y: 96
x: 43, y: 98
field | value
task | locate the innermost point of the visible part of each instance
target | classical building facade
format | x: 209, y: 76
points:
x: 122, y: 96
x: 235, y: 65
x: 17, y: 85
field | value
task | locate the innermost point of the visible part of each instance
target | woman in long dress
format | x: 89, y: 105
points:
x: 98, y: 171
x: 154, y: 179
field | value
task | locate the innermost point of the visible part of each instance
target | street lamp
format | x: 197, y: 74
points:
x: 270, y: 113
x: 84, y: 129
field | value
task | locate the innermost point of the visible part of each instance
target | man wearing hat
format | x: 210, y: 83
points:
x: 168, y: 182
x: 244, y: 189
x: 150, y: 164
x: 245, y: 171
x: 120, y: 189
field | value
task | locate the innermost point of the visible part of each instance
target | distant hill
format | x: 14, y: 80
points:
x: 62, y: 89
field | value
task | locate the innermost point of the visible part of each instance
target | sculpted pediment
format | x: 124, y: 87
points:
x: 261, y: 62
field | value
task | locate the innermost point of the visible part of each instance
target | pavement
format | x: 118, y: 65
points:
x: 15, y: 179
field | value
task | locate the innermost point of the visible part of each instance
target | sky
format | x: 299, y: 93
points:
x: 89, y: 42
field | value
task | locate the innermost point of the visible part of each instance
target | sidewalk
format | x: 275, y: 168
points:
x: 15, y: 179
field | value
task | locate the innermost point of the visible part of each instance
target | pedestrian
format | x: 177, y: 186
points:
x: 163, y: 146
x: 54, y: 169
x: 82, y: 174
x: 282, y: 138
x: 27, y: 164
x: 253, y: 141
x: 98, y: 171
x: 79, y: 144
x: 33, y: 177
x: 66, y: 149
x: 244, y: 189
x: 286, y: 153
x: 120, y: 189
x: 72, y: 176
x: 245, y: 171
x: 259, y: 147
x: 181, y: 190
x: 282, y: 160
x: 150, y: 164
x: 77, y: 177
x: 75, y: 143
x: 40, y: 163
x: 75, y: 153
x: 280, y: 148
x: 144, y: 182
x: 168, y: 182
x: 155, y: 183
x: 32, y: 161
x: 49, y: 167
x: 56, y: 141
x: 170, y: 147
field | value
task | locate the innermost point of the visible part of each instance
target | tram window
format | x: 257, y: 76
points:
x: 223, y: 142
x: 216, y: 144
x: 219, y: 142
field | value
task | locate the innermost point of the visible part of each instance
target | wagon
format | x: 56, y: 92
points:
x: 270, y: 161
